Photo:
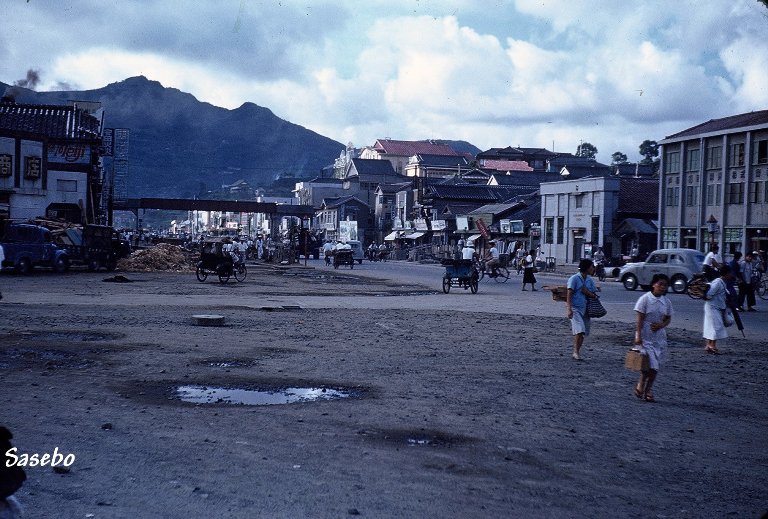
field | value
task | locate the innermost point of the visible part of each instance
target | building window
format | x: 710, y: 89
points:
x: 549, y: 230
x: 692, y: 160
x: 67, y: 186
x: 735, y: 193
x: 673, y: 196
x: 690, y: 196
x: 6, y: 163
x: 761, y: 152
x: 579, y: 201
x: 755, y: 190
x: 737, y: 154
x: 560, y: 229
x: 673, y: 162
x: 714, y: 157
x: 710, y: 195
x: 32, y: 167
x: 718, y: 194
x: 669, y: 238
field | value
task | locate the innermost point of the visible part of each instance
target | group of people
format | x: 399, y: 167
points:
x: 653, y: 313
x: 492, y: 260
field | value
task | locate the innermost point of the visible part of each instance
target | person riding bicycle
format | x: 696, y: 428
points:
x: 598, y: 258
x: 712, y: 263
x: 492, y: 259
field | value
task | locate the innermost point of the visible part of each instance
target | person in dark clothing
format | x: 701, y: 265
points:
x: 738, y: 279
x: 11, y: 478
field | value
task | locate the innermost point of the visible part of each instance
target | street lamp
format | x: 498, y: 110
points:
x: 712, y: 228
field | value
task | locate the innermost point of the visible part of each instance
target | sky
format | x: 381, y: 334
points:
x: 496, y: 73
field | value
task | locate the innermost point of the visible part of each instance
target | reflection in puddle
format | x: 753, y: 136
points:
x: 221, y: 395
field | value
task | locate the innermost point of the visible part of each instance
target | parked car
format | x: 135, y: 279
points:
x: 93, y: 245
x: 26, y: 246
x: 679, y: 265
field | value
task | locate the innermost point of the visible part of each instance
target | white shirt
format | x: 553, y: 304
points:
x: 712, y: 256
x: 494, y: 252
x: 327, y: 247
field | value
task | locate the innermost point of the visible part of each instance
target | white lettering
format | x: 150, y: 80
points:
x: 35, y: 459
x: 10, y: 454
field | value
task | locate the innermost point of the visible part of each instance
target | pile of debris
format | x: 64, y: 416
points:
x: 162, y: 256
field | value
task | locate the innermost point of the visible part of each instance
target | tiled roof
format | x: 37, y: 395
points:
x: 733, y: 122
x: 373, y: 167
x: 639, y: 196
x: 330, y: 203
x: 477, y: 193
x: 409, y: 148
x: 427, y: 159
x: 506, y: 165
x: 56, y: 122
x: 394, y: 187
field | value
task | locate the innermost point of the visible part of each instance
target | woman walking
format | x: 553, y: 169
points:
x: 715, y: 309
x: 529, y: 264
x: 653, y: 314
x: 580, y: 287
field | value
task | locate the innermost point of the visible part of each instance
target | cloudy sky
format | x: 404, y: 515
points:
x: 534, y: 73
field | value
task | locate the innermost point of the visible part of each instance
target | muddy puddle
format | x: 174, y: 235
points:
x: 238, y: 396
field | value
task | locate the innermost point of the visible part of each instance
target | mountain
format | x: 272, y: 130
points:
x: 181, y: 147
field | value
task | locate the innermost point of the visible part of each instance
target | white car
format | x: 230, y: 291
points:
x: 679, y: 265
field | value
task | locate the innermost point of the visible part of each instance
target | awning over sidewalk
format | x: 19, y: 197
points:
x: 472, y: 238
x: 414, y: 235
x: 391, y: 236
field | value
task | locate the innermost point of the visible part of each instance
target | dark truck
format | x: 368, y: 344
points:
x: 93, y: 245
x: 26, y: 246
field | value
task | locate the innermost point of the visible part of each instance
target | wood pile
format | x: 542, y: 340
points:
x: 163, y: 256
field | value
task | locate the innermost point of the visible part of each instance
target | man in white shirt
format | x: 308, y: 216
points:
x: 468, y: 252
x: 492, y: 258
x: 712, y: 263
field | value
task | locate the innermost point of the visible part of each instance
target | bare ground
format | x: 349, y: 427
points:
x: 448, y: 415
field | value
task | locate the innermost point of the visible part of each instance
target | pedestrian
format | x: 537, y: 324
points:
x: 259, y: 248
x: 747, y: 287
x: 712, y: 263
x: 715, y: 307
x: 580, y: 287
x: 653, y: 313
x: 634, y: 253
x: 528, y: 265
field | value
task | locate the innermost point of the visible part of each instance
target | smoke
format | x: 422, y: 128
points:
x: 31, y: 81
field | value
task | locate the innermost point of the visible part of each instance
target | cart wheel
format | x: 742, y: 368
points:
x: 502, y: 275
x: 202, y: 275
x: 446, y: 285
x: 335, y: 265
x: 473, y: 284
x: 240, y: 273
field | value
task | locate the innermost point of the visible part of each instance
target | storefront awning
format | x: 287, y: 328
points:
x: 473, y: 238
x: 391, y: 236
x: 414, y: 235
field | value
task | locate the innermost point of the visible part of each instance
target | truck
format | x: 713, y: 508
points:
x: 26, y: 246
x: 93, y: 245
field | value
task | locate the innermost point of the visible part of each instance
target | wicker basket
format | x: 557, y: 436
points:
x: 559, y: 292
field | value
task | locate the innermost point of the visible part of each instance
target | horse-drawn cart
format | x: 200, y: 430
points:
x: 460, y: 273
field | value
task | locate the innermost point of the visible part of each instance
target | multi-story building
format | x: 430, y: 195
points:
x: 714, y: 185
x: 400, y: 152
x: 50, y: 161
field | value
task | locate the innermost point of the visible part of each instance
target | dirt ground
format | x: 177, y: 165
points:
x: 444, y: 413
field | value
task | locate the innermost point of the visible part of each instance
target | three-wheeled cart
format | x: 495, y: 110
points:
x: 215, y: 260
x: 460, y: 273
x: 343, y: 257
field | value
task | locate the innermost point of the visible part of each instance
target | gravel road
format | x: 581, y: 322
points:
x: 436, y: 409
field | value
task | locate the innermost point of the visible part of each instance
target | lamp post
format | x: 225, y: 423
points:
x: 712, y: 228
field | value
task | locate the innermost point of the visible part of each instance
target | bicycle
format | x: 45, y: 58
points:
x: 501, y: 274
x: 762, y: 289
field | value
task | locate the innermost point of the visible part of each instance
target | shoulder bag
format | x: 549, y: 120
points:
x: 595, y: 308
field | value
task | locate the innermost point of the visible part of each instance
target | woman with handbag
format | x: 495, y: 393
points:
x: 653, y: 313
x: 580, y: 287
x: 528, y: 270
x: 716, y: 309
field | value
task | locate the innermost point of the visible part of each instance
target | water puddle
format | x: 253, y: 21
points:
x: 235, y: 396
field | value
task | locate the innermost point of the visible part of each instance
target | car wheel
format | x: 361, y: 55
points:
x: 679, y: 284
x: 446, y: 285
x: 24, y: 266
x: 61, y: 264
x: 629, y: 281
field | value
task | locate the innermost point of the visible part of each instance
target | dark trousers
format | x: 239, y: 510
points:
x: 746, y: 291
